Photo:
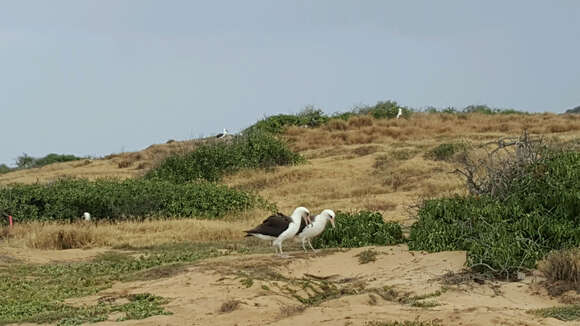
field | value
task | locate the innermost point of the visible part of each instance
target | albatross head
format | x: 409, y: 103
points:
x: 302, y: 213
x: 329, y: 214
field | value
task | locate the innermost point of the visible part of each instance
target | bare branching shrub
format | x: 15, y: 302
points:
x: 507, y: 161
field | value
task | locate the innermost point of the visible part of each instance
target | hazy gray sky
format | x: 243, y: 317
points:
x: 98, y: 77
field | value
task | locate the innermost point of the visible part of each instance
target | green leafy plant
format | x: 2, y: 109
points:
x: 256, y: 149
x: 504, y: 234
x: 358, y: 230
x: 67, y: 199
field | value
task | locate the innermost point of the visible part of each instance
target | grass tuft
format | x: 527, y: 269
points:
x: 367, y: 256
x: 565, y: 313
x: 229, y: 306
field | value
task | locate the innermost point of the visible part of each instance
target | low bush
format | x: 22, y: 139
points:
x: 25, y: 161
x: 256, y: 149
x: 358, y: 230
x: 445, y: 151
x: 309, y: 117
x: 5, y: 168
x: 562, y: 265
x: 384, y: 110
x: 538, y: 212
x: 67, y: 199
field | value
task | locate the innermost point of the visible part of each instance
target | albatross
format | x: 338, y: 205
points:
x: 223, y: 134
x: 279, y: 227
x: 314, y: 229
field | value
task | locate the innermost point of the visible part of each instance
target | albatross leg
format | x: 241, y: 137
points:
x: 282, y: 255
x: 303, y: 245
x: 312, y: 247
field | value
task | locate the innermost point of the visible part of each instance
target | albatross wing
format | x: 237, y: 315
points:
x: 273, y: 226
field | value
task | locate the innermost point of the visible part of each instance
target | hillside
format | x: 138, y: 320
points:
x: 359, y: 164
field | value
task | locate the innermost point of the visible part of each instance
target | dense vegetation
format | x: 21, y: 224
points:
x: 479, y: 108
x: 358, y: 230
x: 36, y: 293
x: 574, y: 110
x: 311, y: 117
x: 26, y: 162
x: 256, y: 149
x: 67, y: 199
x: 538, y: 211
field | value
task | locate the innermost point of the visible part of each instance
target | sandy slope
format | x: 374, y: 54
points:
x: 198, y: 293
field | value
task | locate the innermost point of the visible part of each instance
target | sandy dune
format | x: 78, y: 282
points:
x: 356, y: 292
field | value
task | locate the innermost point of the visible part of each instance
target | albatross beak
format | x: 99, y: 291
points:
x: 332, y: 222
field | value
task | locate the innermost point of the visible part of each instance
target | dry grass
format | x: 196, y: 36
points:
x: 229, y: 306
x: 291, y: 310
x: 365, y: 130
x: 562, y: 270
x: 136, y: 234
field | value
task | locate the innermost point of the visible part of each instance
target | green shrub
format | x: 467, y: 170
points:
x: 384, y: 110
x: 445, y: 152
x: 358, y: 230
x: 309, y: 117
x: 55, y: 158
x: 67, y: 199
x: 5, y: 168
x: 211, y: 162
x: 25, y: 161
x: 505, y: 234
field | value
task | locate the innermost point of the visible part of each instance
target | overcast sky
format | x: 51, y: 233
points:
x: 99, y: 77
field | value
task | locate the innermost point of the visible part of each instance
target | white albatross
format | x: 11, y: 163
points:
x: 314, y: 229
x: 279, y: 227
x: 400, y: 113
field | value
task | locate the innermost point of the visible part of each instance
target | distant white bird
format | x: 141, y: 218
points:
x: 223, y: 134
x: 87, y: 216
x: 400, y: 113
x: 314, y: 229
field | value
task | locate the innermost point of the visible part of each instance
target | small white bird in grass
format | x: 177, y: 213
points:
x: 87, y: 216
x: 400, y: 113
x: 223, y: 134
x: 314, y: 229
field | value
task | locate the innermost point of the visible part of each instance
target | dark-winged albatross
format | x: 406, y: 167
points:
x: 314, y: 229
x: 279, y: 227
x: 223, y: 134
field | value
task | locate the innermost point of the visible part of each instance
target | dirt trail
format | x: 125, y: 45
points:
x: 338, y: 290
